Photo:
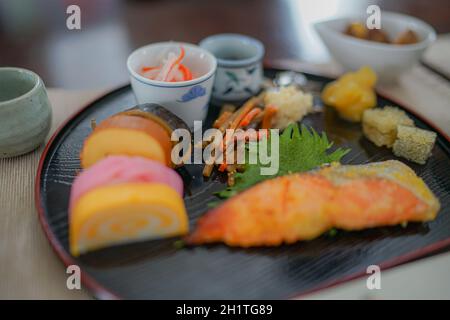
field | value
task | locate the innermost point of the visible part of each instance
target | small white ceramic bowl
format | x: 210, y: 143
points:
x: 239, y: 59
x: 187, y: 99
x: 387, y: 60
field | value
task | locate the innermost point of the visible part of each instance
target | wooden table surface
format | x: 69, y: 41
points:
x: 35, y: 36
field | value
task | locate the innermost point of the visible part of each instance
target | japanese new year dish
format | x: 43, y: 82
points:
x: 129, y: 190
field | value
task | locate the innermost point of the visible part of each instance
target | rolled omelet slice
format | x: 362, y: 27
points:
x: 124, y: 213
x: 127, y: 135
x: 121, y: 169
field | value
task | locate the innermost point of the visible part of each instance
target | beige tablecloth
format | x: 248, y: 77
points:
x: 29, y: 269
x: 28, y: 266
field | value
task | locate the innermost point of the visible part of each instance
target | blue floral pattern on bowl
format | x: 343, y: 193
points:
x: 243, y: 82
x: 194, y: 92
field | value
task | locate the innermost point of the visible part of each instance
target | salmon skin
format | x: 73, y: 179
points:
x: 304, y: 206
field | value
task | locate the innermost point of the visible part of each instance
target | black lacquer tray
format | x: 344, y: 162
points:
x: 157, y: 270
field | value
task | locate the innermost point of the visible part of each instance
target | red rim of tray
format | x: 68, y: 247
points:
x: 102, y: 292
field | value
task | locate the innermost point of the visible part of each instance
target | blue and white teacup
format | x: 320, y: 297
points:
x: 239, y: 72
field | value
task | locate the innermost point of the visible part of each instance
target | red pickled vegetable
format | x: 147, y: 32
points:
x: 145, y: 69
x: 172, y: 70
x: 249, y: 117
x: 186, y: 72
x: 175, y: 63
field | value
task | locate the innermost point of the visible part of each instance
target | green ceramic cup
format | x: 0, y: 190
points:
x: 25, y: 112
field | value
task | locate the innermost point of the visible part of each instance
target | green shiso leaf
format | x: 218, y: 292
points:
x: 301, y: 149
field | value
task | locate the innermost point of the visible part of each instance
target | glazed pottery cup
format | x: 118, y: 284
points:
x: 239, y: 65
x: 25, y: 112
x: 187, y: 99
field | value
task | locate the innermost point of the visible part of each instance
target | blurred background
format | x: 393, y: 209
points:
x: 33, y: 33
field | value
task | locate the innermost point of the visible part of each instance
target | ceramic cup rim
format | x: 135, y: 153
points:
x: 258, y: 45
x: 27, y: 94
x: 166, y: 84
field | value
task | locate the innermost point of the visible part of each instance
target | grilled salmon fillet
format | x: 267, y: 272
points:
x: 303, y: 206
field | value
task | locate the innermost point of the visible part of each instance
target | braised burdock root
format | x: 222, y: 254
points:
x: 249, y: 115
x: 303, y: 206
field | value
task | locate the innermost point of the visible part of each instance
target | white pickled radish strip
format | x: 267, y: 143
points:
x: 171, y: 58
x: 175, y: 74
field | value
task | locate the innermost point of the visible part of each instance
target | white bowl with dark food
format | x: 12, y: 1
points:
x: 352, y: 50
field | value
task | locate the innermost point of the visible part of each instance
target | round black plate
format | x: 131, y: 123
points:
x: 158, y: 270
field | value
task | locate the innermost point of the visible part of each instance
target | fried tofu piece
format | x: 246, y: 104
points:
x: 414, y: 144
x: 380, y: 124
